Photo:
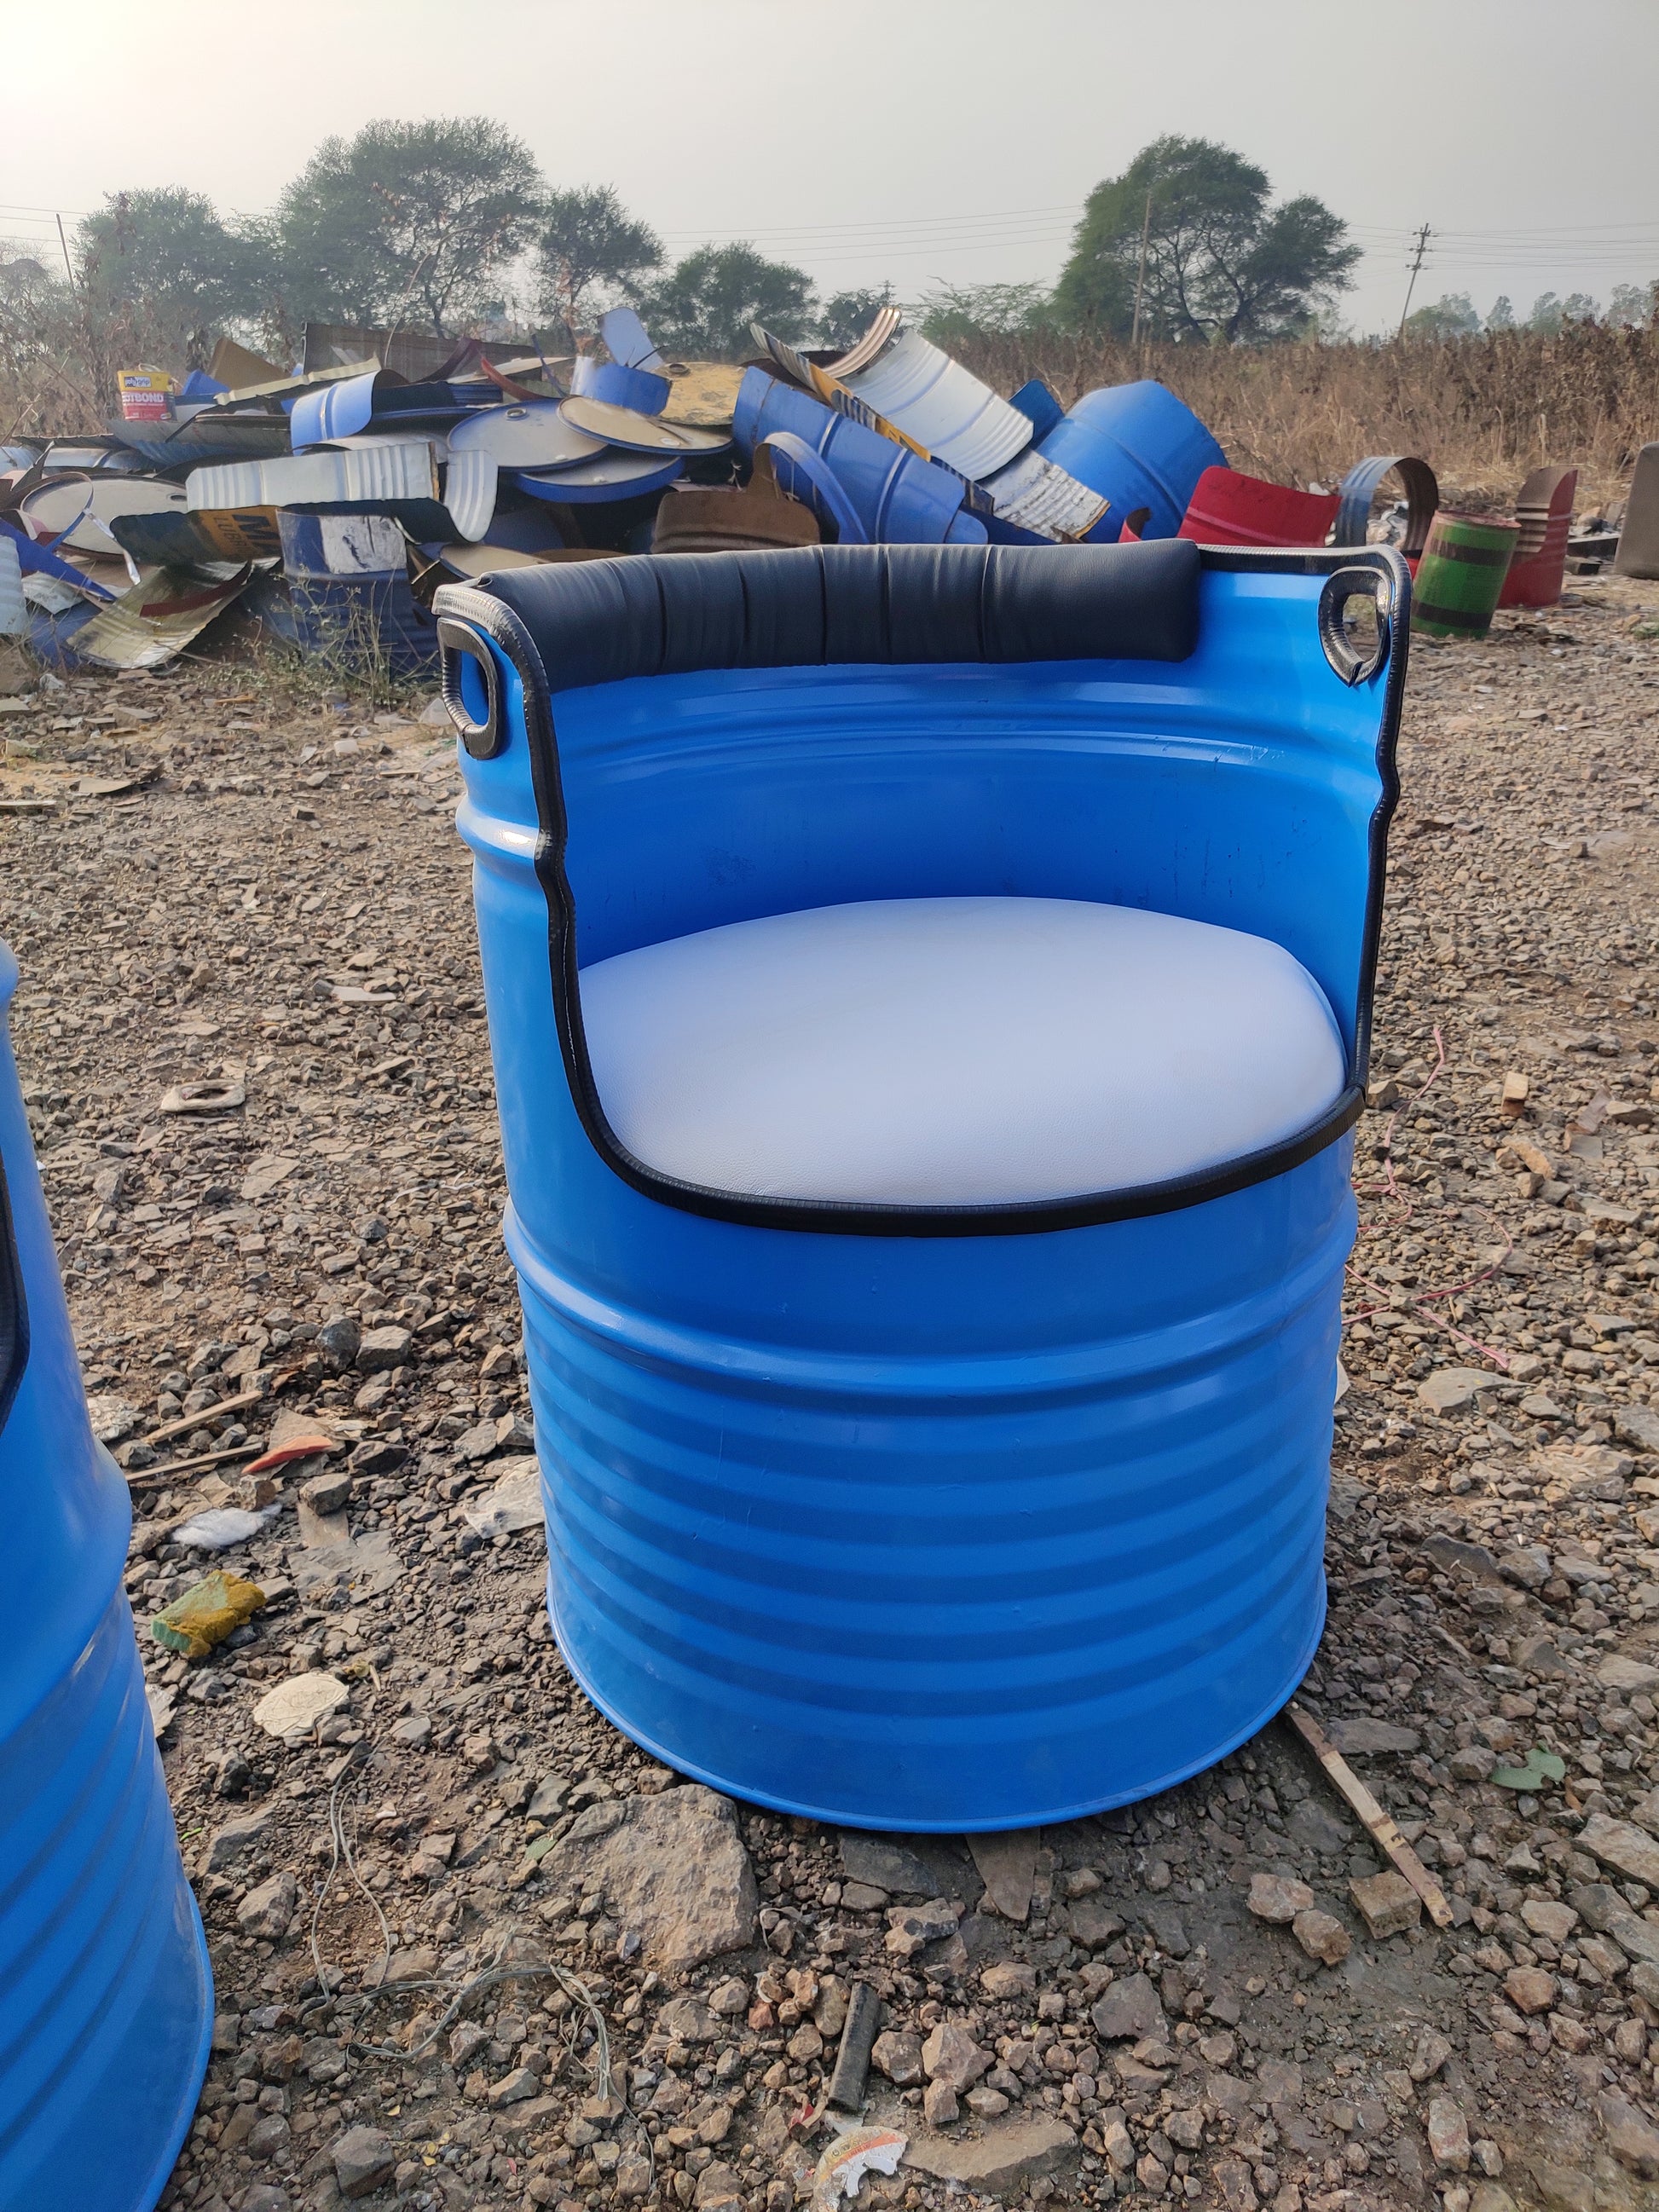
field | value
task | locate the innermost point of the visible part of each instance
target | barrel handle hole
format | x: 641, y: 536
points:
x: 1355, y: 610
x: 471, y: 688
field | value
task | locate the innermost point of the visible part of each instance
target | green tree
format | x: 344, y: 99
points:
x: 1633, y: 306
x: 168, y: 256
x: 956, y: 314
x: 845, y: 316
x: 1220, y: 264
x: 1502, y: 317
x: 1452, y: 316
x: 590, y: 246
x: 407, y: 221
x: 1549, y: 313
x: 702, y: 309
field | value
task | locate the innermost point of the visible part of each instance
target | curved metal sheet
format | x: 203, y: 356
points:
x: 534, y: 434
x: 625, y: 427
x: 911, y: 1532
x: 609, y: 476
x: 823, y: 485
x: 942, y: 406
x: 470, y: 479
x: 643, y: 389
x: 628, y: 341
x: 338, y: 410
x: 1359, y: 487
x: 864, y: 353
x: 105, y: 2000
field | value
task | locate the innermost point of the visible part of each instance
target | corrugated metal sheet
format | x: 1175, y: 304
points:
x: 941, y: 404
x: 1034, y: 494
x: 470, y: 481
x: 13, y: 608
x: 394, y: 476
x: 369, y: 474
x: 153, y: 623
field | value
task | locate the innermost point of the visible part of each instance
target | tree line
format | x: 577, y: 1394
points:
x: 448, y: 225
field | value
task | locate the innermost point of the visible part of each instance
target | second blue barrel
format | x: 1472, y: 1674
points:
x: 105, y: 1999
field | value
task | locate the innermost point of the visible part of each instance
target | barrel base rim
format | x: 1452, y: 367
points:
x: 908, y: 1825
x: 172, y: 2142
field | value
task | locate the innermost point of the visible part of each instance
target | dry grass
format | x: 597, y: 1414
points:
x: 1482, y: 410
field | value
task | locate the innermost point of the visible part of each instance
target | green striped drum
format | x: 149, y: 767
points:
x: 1461, y: 575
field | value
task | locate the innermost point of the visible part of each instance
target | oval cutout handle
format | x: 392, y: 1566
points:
x: 1356, y: 583
x: 460, y: 641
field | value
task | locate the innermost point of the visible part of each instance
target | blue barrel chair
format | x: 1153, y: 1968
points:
x: 929, y: 990
x: 105, y: 1998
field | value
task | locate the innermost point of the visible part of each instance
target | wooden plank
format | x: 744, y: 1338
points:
x: 1379, y: 1823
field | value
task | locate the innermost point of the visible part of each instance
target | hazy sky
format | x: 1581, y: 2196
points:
x: 909, y: 140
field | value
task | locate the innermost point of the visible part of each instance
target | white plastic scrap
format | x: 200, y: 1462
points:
x: 859, y: 2151
x: 217, y: 1529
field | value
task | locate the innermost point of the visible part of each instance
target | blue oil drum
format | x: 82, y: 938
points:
x: 1139, y: 446
x: 898, y: 497
x: 347, y: 578
x: 105, y: 1998
x: 949, y: 1516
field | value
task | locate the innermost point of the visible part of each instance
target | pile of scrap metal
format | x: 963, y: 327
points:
x: 327, y: 505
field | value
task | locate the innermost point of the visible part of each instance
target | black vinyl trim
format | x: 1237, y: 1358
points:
x: 13, y: 1307
x: 859, y: 1218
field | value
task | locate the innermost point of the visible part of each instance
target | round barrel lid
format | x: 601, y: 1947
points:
x: 639, y: 433
x: 611, y: 476
x: 530, y: 434
x: 81, y: 504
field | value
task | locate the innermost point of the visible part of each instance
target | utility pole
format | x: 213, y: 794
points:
x: 1422, y: 237
x: 1140, y: 279
x: 68, y: 266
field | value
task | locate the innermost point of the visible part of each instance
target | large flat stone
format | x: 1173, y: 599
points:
x: 1628, y: 1850
x: 1001, y: 2162
x: 886, y: 1865
x: 513, y: 1502
x: 1450, y: 1389
x: 1362, y: 1737
x: 1007, y: 1867
x: 674, y: 1868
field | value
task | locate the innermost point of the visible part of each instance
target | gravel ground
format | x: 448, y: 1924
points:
x: 232, y: 890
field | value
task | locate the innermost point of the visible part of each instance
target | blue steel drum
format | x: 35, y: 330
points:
x: 105, y: 1998
x: 925, y: 1517
x: 899, y: 498
x: 1138, y: 446
x: 347, y: 578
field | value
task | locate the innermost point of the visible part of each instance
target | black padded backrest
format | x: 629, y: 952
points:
x: 597, y: 622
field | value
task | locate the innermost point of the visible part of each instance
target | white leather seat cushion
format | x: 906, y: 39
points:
x: 956, y: 1051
